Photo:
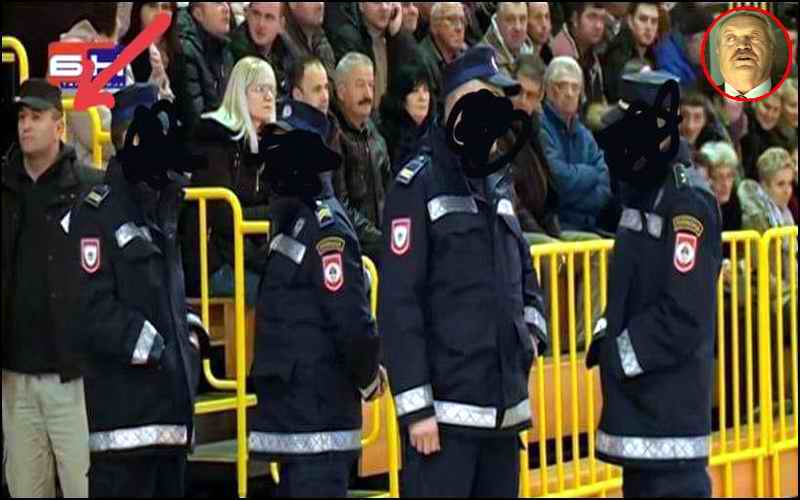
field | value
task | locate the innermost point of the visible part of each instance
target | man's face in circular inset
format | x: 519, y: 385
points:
x: 744, y: 52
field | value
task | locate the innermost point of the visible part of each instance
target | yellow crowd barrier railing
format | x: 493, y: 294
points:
x: 20, y: 57
x: 99, y: 136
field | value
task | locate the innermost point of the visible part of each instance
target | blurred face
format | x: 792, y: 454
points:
x: 512, y: 20
x: 308, y: 14
x: 530, y: 97
x: 264, y: 22
x: 357, y: 93
x: 565, y: 95
x: 794, y: 157
x: 152, y: 9
x: 722, y: 180
x: 261, y: 98
x: 410, y: 17
x: 693, y: 43
x: 377, y: 14
x: 314, y: 89
x: 448, y: 28
x: 768, y: 112
x: 694, y: 121
x: 644, y: 24
x: 539, y: 24
x: 590, y: 26
x: 790, y: 109
x: 744, y: 51
x: 418, y: 103
x: 214, y: 17
x: 39, y: 131
x: 779, y: 187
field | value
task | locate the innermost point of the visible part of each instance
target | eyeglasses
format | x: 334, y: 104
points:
x: 264, y: 89
x: 455, y: 21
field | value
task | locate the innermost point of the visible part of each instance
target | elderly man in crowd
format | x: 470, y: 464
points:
x: 508, y: 34
x: 445, y: 41
x: 745, y: 51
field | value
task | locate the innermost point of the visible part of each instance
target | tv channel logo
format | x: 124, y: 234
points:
x: 65, y: 63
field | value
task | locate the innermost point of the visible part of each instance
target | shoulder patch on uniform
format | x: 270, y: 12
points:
x: 324, y: 215
x: 330, y: 245
x: 688, y: 224
x: 98, y: 195
x: 410, y: 171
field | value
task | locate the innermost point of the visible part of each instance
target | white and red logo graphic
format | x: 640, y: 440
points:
x: 401, y: 236
x: 685, y: 252
x: 333, y: 271
x: 90, y: 255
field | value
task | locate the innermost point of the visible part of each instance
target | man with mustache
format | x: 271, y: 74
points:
x: 745, y: 47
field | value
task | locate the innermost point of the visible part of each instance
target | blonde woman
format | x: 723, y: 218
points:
x: 229, y: 138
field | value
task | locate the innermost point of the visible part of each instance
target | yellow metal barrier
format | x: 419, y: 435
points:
x: 20, y: 56
x: 99, y: 136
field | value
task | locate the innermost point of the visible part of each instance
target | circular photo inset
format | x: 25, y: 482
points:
x: 746, y: 54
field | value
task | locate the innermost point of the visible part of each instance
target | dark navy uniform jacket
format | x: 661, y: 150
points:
x: 461, y: 309
x: 657, y: 355
x: 142, y: 370
x: 317, y: 347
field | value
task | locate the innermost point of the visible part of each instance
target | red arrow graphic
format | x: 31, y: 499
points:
x: 90, y: 92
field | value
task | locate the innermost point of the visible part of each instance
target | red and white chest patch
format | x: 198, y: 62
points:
x: 401, y: 236
x: 90, y: 255
x: 685, y: 252
x: 333, y: 271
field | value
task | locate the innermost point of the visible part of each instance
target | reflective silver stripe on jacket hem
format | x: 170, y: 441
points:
x: 630, y: 363
x: 414, y: 400
x: 517, y: 414
x: 143, y: 437
x: 128, y: 232
x: 288, y: 247
x: 446, y: 205
x: 478, y: 417
x: 144, y: 345
x: 304, y: 444
x: 638, y: 448
x: 535, y: 318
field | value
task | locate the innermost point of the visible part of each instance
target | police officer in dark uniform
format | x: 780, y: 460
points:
x: 655, y: 345
x: 140, y: 347
x: 461, y: 309
x: 317, y: 347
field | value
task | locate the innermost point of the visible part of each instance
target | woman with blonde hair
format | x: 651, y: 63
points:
x: 229, y: 137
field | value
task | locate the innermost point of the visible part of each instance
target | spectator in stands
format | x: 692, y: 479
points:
x: 444, y: 43
x: 261, y: 35
x: 206, y: 61
x: 788, y: 122
x: 764, y: 118
x: 529, y: 72
x: 765, y: 205
x: 100, y: 26
x: 700, y: 124
x: 508, y: 34
x: 365, y: 171
x: 636, y: 40
x: 305, y: 35
x: 424, y: 24
x: 407, y: 112
x: 44, y: 411
x: 229, y: 138
x: 578, y: 165
x: 540, y: 29
x: 723, y: 169
x: 238, y: 13
x: 410, y: 17
x: 679, y: 52
x: 153, y: 65
x: 579, y: 38
x: 732, y: 116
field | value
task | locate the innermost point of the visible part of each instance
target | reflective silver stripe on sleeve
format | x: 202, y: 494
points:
x: 128, y: 232
x: 414, y: 400
x: 517, y: 414
x: 446, y: 205
x: 304, y: 444
x: 640, y: 448
x: 535, y: 318
x: 142, y: 437
x: 631, y: 219
x: 465, y: 415
x: 288, y: 247
x: 147, y: 337
x: 630, y: 363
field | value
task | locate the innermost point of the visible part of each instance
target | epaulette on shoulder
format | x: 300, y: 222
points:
x: 412, y: 168
x: 98, y: 195
x: 681, y: 176
x: 324, y: 215
x: 691, y: 178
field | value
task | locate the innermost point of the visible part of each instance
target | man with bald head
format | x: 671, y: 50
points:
x: 745, y: 51
x: 445, y: 42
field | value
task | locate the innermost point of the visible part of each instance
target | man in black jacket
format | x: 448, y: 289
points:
x: 141, y: 348
x: 44, y: 414
x: 202, y: 70
x: 655, y: 345
x: 461, y: 309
